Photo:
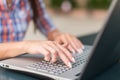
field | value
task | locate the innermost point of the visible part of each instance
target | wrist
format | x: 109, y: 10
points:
x: 25, y: 46
x: 16, y: 49
x: 52, y: 35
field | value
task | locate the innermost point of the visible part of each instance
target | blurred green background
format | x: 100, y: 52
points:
x: 99, y: 4
x: 56, y: 4
x: 92, y: 4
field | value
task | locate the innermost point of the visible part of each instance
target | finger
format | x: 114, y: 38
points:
x: 47, y: 58
x: 78, y: 45
x: 69, y: 47
x: 45, y: 52
x: 64, y: 58
x: 54, y: 57
x: 67, y: 53
x: 64, y: 40
x: 65, y: 45
x: 59, y: 41
x: 70, y: 39
x: 53, y: 53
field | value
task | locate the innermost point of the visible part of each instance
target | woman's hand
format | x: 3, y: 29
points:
x: 67, y: 40
x: 51, y: 50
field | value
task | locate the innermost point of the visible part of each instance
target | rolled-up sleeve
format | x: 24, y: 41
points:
x: 43, y: 22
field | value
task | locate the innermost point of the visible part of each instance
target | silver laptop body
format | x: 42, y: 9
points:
x: 58, y: 71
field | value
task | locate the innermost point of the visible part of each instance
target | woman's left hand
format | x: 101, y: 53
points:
x: 69, y: 41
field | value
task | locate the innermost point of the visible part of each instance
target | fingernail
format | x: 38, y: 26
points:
x: 46, y: 59
x: 73, y: 51
x: 69, y: 65
x: 73, y: 60
x: 83, y: 47
x: 80, y: 51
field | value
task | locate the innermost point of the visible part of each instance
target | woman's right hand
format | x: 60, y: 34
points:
x: 51, y: 50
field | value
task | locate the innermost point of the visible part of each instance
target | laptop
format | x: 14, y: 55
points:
x: 93, y: 61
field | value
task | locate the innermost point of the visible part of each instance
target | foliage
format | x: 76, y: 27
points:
x: 56, y: 4
x: 99, y: 4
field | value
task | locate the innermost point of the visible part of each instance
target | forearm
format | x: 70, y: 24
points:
x: 11, y: 49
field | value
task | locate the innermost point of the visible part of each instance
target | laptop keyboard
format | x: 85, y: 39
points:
x: 59, y: 67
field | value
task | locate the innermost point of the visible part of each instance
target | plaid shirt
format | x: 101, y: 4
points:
x: 14, y: 22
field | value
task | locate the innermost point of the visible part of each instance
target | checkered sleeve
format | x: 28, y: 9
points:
x: 44, y: 22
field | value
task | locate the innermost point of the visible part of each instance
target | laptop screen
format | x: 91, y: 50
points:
x: 104, y: 53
